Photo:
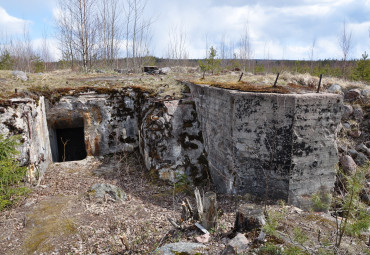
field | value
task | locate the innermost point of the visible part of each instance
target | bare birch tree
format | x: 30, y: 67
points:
x: 109, y: 31
x: 77, y: 25
x: 245, y: 50
x: 64, y: 26
x: 345, y: 44
x: 312, y: 49
x: 176, y: 48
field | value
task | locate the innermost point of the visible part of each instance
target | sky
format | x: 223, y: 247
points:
x: 278, y: 29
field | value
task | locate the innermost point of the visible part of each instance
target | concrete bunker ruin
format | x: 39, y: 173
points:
x: 239, y: 139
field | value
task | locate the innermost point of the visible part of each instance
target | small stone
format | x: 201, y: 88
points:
x: 361, y: 147
x: 261, y: 237
x: 181, y: 248
x: 352, y: 94
x: 238, y: 245
x: 347, y: 111
x: 342, y: 148
x: 203, y: 238
x: 358, y: 113
x: 361, y: 159
x: 366, y: 93
x: 353, y: 153
x: 346, y: 125
x: 355, y: 133
x: 335, y: 88
x: 348, y: 164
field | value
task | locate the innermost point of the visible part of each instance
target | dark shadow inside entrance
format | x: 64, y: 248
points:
x: 71, y: 144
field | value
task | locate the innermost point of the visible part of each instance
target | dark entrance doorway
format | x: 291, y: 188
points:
x: 71, y: 144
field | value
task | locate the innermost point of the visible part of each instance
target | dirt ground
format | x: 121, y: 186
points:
x: 60, y: 217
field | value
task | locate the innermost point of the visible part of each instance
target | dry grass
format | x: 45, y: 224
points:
x: 288, y: 82
x: 166, y: 85
x: 66, y: 79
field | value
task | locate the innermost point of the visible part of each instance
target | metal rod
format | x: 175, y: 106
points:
x: 241, y: 76
x: 318, y: 88
x: 277, y: 77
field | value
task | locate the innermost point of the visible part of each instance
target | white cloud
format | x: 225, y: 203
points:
x: 289, y: 27
x: 51, y: 45
x: 10, y: 25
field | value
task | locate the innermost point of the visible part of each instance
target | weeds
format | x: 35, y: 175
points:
x: 321, y: 201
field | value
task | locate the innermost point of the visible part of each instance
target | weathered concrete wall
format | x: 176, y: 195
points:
x: 257, y: 140
x: 171, y: 141
x: 110, y: 121
x: 26, y: 117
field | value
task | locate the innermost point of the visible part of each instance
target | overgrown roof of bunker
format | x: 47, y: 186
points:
x: 290, y: 88
x: 54, y: 95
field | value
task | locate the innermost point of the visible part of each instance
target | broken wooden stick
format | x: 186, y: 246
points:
x: 199, y: 202
x: 173, y: 223
x: 124, y: 241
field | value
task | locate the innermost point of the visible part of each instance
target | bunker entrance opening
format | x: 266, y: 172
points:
x: 71, y: 144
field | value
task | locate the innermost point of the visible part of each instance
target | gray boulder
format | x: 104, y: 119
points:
x: 181, y: 248
x: 346, y: 125
x: 363, y: 148
x: 361, y: 159
x: 347, y: 111
x: 353, y: 153
x: 358, y: 113
x: 352, y: 94
x: 20, y: 75
x: 102, y: 191
x: 355, y: 133
x: 335, y: 88
x: 348, y: 164
x: 238, y: 245
x: 366, y: 95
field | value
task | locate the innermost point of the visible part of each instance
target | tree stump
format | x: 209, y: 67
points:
x: 249, y: 217
x: 209, y: 210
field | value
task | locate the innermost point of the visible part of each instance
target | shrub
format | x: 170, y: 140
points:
x: 11, y: 173
x: 6, y: 61
x: 38, y: 64
x: 321, y: 201
x: 211, y: 63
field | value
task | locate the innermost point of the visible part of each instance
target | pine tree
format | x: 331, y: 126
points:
x: 211, y: 63
x: 11, y: 173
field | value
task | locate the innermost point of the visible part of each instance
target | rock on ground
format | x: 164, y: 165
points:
x: 348, y: 164
x: 20, y: 75
x: 352, y: 94
x: 347, y: 111
x: 102, y: 190
x: 238, y: 245
x: 335, y: 88
x: 181, y: 248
